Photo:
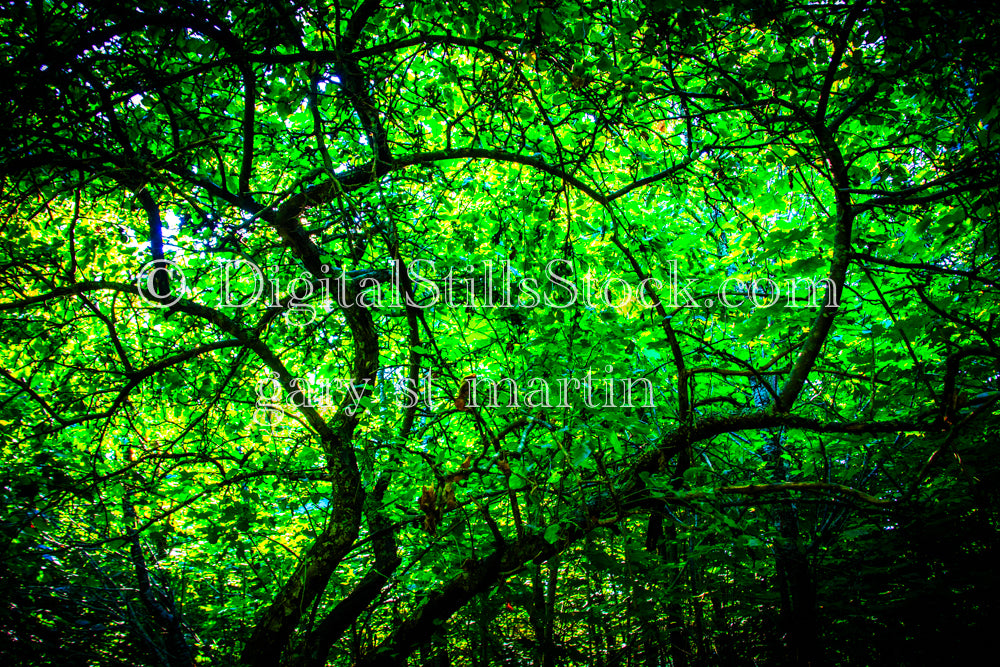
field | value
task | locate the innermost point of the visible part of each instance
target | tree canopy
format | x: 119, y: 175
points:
x: 471, y: 333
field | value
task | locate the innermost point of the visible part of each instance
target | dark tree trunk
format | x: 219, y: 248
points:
x: 799, y: 608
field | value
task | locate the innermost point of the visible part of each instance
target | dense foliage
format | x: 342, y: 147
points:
x: 475, y: 333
